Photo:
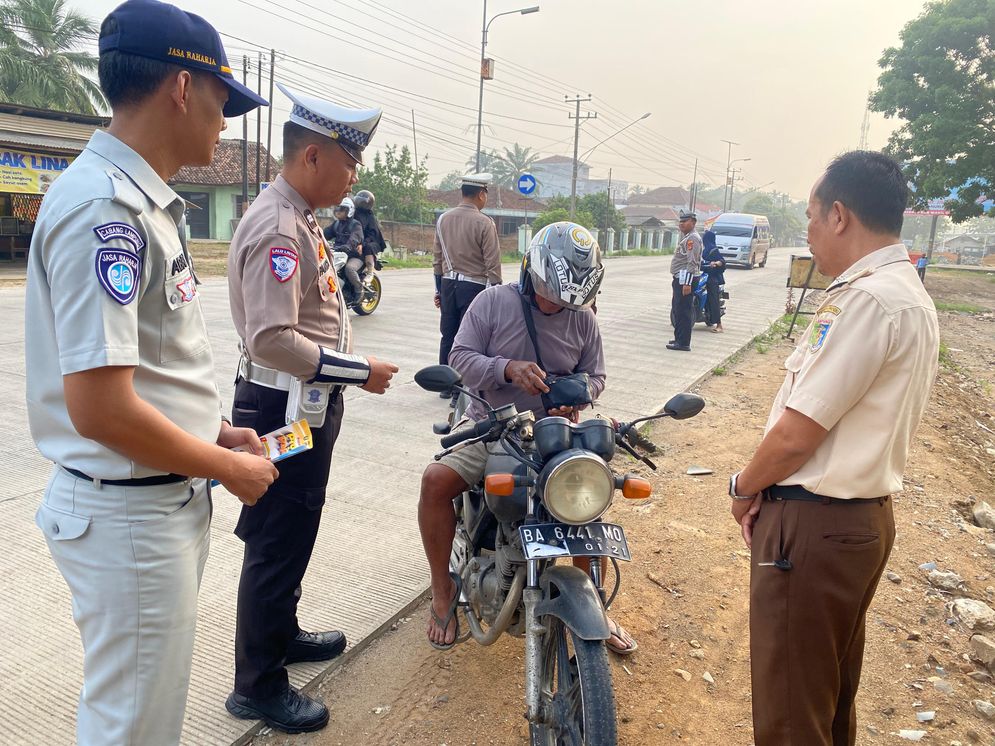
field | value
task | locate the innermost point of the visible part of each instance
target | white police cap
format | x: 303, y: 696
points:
x: 477, y: 180
x: 351, y: 128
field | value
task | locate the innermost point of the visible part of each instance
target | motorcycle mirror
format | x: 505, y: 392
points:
x: 683, y: 406
x: 438, y: 378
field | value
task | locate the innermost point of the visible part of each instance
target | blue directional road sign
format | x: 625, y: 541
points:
x: 526, y: 184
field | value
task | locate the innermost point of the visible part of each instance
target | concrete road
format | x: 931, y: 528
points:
x: 368, y: 563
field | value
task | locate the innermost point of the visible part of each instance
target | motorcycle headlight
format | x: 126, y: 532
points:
x: 577, y: 487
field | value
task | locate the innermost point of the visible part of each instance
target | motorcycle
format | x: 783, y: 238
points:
x: 365, y: 303
x: 546, y: 486
x: 699, y: 302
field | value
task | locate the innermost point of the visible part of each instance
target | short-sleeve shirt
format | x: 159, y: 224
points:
x: 110, y: 283
x: 687, y: 255
x: 863, y: 371
x: 282, y: 285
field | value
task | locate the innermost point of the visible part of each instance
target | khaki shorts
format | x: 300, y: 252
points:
x: 469, y: 462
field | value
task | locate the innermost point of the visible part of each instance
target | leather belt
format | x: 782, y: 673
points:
x: 263, y: 376
x: 797, y: 492
x: 153, y: 481
x: 464, y: 278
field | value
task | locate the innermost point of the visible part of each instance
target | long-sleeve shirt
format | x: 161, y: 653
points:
x: 493, y: 333
x: 687, y: 256
x: 345, y: 235
x: 466, y: 242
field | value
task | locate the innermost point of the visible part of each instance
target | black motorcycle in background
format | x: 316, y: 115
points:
x: 365, y: 303
x: 546, y: 486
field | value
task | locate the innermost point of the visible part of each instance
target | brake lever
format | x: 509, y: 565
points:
x: 460, y: 446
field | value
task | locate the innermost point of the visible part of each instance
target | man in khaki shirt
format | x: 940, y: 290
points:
x: 296, y: 358
x: 466, y: 258
x: 814, y: 502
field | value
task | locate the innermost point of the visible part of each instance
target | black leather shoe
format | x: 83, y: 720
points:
x: 682, y: 348
x: 290, y: 712
x: 315, y: 646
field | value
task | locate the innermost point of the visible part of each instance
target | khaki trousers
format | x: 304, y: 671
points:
x: 807, y: 622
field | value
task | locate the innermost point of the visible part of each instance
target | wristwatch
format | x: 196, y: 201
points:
x: 732, y: 489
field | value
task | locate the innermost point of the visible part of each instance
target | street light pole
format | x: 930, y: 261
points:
x: 732, y: 179
x: 573, y: 181
x: 485, y: 24
x: 725, y: 191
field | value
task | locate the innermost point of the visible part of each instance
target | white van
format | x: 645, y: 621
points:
x: 742, y: 239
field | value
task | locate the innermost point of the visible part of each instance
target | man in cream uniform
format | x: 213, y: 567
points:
x: 120, y: 377
x: 296, y: 358
x: 815, y: 500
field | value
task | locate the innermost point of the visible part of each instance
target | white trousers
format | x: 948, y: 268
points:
x: 133, y: 558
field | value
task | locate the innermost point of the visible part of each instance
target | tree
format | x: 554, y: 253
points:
x: 941, y: 81
x: 451, y: 181
x: 558, y: 214
x: 508, y: 166
x: 40, y: 64
x: 398, y: 186
x: 784, y: 222
x: 594, y: 205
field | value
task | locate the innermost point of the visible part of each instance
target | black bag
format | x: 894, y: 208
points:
x: 573, y: 390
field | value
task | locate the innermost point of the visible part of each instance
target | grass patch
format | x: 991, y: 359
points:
x: 942, y: 305
x: 641, y: 252
x: 424, y: 261
x: 946, y: 360
x: 720, y: 370
x: 772, y: 335
x: 943, y: 272
x: 210, y: 258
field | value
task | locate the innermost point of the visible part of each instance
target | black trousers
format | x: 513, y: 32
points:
x: 455, y: 297
x: 682, y: 312
x: 279, y: 533
x: 713, y: 312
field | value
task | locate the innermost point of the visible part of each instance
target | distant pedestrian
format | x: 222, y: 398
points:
x: 921, y: 263
x: 713, y: 265
x: 815, y: 500
x: 685, y: 268
x: 466, y: 257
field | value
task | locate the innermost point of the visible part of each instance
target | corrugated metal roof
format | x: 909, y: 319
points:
x: 23, y: 130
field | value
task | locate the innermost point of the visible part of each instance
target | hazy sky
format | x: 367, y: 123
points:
x: 786, y: 80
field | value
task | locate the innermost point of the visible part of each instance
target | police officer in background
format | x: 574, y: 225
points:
x: 120, y: 375
x: 297, y: 356
x: 815, y: 500
x: 685, y: 268
x: 466, y: 258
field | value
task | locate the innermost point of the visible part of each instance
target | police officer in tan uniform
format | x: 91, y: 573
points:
x: 466, y: 257
x: 297, y: 356
x: 815, y: 500
x: 685, y: 267
x: 121, y: 386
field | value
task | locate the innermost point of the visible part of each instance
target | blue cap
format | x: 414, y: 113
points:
x: 163, y: 32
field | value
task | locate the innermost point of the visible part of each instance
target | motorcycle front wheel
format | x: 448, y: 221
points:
x: 371, y: 297
x: 577, y: 701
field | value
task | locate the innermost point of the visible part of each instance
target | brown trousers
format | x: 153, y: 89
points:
x: 807, y: 622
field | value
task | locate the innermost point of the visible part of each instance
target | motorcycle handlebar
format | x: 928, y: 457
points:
x: 474, y: 431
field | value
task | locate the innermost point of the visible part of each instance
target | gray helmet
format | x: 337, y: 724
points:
x: 563, y: 265
x: 365, y: 200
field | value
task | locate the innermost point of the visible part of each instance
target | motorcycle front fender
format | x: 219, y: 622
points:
x: 568, y: 594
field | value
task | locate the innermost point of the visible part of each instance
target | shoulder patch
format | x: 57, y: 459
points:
x: 824, y: 319
x: 126, y: 193
x: 125, y: 232
x: 282, y: 262
x: 119, y: 271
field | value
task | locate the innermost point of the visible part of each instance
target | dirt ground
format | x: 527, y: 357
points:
x: 685, y: 594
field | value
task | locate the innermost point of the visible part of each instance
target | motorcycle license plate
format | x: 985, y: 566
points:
x: 547, y: 540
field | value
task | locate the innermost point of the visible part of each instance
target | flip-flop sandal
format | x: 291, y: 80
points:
x: 619, y: 632
x: 443, y: 623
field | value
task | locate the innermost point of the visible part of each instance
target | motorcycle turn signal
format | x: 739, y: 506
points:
x: 504, y: 485
x: 633, y: 488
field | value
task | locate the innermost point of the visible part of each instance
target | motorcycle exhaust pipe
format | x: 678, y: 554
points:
x: 504, y: 616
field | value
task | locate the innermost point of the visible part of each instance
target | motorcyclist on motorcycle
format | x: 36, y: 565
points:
x: 560, y: 277
x: 346, y: 235
x: 373, y: 240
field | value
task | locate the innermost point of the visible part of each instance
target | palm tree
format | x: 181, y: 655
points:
x: 40, y: 63
x: 515, y: 162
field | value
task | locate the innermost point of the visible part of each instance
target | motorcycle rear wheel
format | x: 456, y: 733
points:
x: 576, y: 695
x: 370, y: 300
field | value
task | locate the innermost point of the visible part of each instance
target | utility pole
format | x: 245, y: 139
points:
x: 865, y: 125
x: 725, y: 192
x: 577, y: 100
x: 414, y: 139
x: 694, y: 185
x: 259, y: 120
x: 732, y: 186
x: 245, y: 140
x: 269, y: 115
x: 608, y: 212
